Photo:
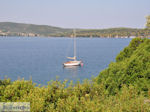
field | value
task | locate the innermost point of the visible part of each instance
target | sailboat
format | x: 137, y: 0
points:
x: 74, y: 61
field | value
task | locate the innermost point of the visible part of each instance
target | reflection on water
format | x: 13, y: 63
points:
x: 73, y: 70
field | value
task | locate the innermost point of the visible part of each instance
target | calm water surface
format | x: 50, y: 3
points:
x: 42, y: 58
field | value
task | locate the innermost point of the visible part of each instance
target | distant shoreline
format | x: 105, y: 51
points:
x: 58, y: 37
x: 31, y: 30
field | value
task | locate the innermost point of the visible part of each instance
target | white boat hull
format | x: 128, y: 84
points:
x: 72, y: 63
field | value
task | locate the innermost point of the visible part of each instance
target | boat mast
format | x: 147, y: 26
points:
x: 74, y: 36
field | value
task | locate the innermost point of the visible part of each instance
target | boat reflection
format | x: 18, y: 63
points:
x: 72, y: 70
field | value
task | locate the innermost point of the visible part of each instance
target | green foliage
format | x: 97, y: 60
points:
x: 132, y: 66
x: 148, y: 22
x: 128, y: 51
x: 9, y: 91
x: 86, y: 97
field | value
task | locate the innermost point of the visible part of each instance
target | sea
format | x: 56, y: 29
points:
x: 41, y: 58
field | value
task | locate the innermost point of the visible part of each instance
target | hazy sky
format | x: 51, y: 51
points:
x: 77, y: 13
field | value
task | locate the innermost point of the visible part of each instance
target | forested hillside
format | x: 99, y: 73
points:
x: 20, y: 29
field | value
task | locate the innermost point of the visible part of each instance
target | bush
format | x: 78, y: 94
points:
x: 132, y: 66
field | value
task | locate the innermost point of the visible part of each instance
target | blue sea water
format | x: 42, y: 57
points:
x: 42, y: 58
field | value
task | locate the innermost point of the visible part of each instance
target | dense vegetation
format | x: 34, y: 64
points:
x: 124, y: 86
x: 86, y: 97
x: 132, y: 66
x: 19, y: 29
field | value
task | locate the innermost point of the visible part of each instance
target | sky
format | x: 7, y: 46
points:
x: 94, y: 14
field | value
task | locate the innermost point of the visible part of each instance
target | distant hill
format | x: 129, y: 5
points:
x: 29, y: 29
x: 21, y: 29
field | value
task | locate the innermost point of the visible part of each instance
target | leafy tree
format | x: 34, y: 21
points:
x: 148, y: 22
